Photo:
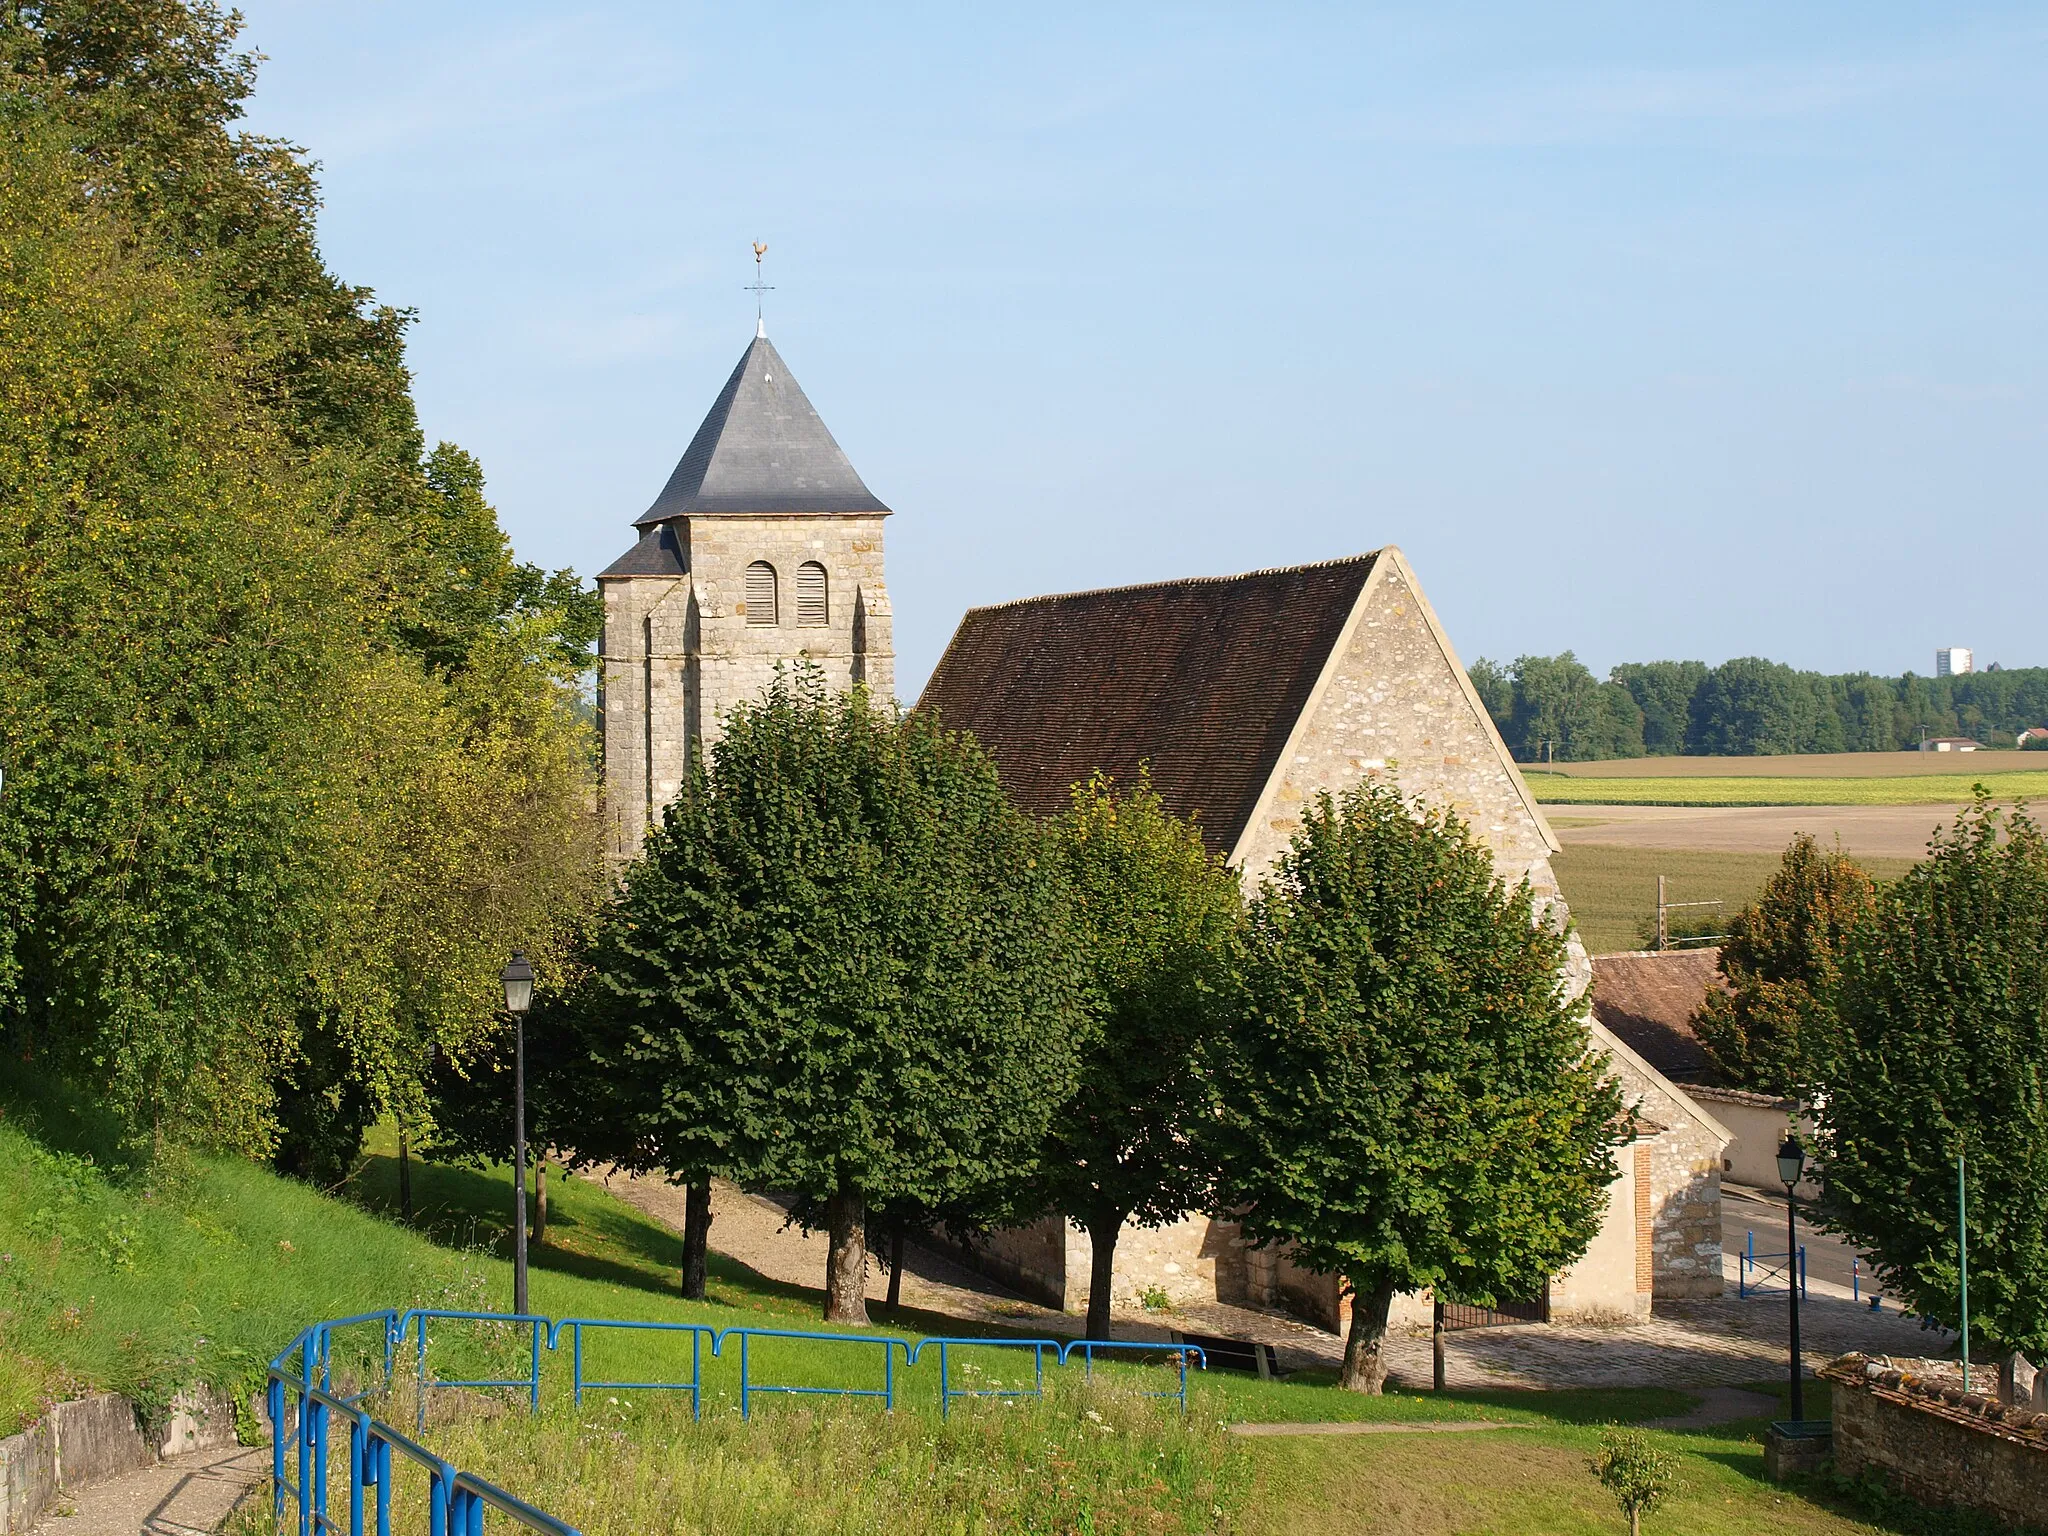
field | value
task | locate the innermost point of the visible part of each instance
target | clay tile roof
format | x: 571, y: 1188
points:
x: 1202, y: 679
x: 657, y: 554
x: 1649, y: 1000
x: 761, y: 448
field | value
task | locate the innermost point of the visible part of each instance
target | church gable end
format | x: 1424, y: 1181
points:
x: 1396, y: 705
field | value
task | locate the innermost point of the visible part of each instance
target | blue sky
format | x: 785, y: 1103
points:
x: 1648, y: 331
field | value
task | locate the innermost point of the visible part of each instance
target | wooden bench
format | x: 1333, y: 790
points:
x: 1257, y: 1359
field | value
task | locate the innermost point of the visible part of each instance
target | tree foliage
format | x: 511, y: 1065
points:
x: 842, y: 967
x: 1941, y: 1052
x: 1156, y: 917
x: 285, y: 775
x: 1782, y: 961
x: 1408, y: 1097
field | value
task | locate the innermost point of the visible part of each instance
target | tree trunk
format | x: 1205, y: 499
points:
x: 846, y: 1267
x: 404, y: 1175
x: 540, y: 1199
x: 696, y: 1238
x: 1103, y: 1228
x: 1436, y: 1343
x: 896, y: 1266
x: 1365, y: 1355
x: 1635, y: 1522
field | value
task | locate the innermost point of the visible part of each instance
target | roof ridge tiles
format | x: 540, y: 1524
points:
x: 1182, y: 581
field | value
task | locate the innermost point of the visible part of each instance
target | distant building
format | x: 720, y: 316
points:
x: 1950, y: 744
x: 2035, y: 736
x: 1953, y: 661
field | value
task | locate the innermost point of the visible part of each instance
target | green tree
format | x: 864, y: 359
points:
x: 260, y: 856
x: 1638, y: 1474
x: 1663, y: 691
x: 1782, y: 961
x: 1562, y: 712
x: 1409, y: 1099
x: 844, y: 967
x: 1156, y: 916
x: 1941, y: 1052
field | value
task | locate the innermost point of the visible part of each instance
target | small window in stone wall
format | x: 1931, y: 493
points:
x: 810, y: 593
x: 761, y: 593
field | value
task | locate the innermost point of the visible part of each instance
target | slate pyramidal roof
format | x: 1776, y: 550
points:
x: 1201, y: 679
x: 762, y: 451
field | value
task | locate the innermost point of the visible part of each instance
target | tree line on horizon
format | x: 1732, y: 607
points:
x: 1552, y: 708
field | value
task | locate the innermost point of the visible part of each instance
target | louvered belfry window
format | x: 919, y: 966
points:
x: 810, y: 593
x: 761, y: 593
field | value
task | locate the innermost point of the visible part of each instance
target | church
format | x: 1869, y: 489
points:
x: 1245, y: 694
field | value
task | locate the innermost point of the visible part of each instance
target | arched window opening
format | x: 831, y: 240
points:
x: 810, y: 593
x: 761, y: 593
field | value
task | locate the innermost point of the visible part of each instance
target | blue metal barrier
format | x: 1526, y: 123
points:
x: 1756, y: 1270
x: 947, y: 1391
x: 303, y: 1403
x: 694, y: 1386
x: 1180, y: 1352
x: 886, y: 1391
x: 530, y: 1381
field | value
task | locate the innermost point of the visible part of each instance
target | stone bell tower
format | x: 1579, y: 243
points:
x: 763, y: 548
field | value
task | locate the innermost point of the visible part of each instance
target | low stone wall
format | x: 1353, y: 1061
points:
x: 94, y: 1438
x: 1938, y: 1444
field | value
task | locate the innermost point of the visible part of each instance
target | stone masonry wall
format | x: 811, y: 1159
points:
x: 1941, y: 1447
x: 679, y: 652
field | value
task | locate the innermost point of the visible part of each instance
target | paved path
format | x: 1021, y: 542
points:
x: 186, y: 1496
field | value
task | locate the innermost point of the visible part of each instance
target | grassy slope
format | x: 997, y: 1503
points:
x: 115, y: 1282
x: 1612, y: 891
x: 1750, y: 789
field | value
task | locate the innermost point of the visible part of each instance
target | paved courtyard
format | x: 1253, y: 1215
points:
x: 1722, y: 1342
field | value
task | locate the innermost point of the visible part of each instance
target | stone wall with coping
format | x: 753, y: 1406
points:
x: 1939, y: 1445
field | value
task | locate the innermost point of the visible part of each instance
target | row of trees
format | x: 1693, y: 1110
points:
x: 1913, y: 1016
x: 848, y: 969
x: 291, y: 743
x: 1552, y: 708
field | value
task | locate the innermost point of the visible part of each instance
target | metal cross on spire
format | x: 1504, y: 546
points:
x: 757, y: 288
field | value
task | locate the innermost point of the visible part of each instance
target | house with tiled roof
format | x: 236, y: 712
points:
x: 1245, y: 696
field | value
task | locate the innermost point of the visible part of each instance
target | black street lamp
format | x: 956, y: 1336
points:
x: 1791, y: 1164
x: 518, y: 979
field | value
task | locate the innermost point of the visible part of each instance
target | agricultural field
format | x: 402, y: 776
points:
x: 1612, y: 891
x: 1815, y: 765
x: 1952, y: 788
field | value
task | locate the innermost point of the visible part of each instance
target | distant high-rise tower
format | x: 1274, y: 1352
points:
x: 764, y: 548
x: 1953, y: 661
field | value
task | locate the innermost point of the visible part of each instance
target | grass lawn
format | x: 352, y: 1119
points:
x: 1612, y: 891
x: 1551, y: 788
x: 144, y: 1283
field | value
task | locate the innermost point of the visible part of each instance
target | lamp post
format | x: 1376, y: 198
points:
x: 518, y: 979
x: 1791, y: 1163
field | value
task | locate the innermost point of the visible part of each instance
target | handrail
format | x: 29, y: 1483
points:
x: 947, y: 1392
x: 1179, y: 1351
x: 889, y: 1346
x: 694, y: 1386
x: 457, y: 1500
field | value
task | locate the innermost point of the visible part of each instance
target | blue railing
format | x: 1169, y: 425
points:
x: 1768, y: 1274
x: 457, y: 1500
